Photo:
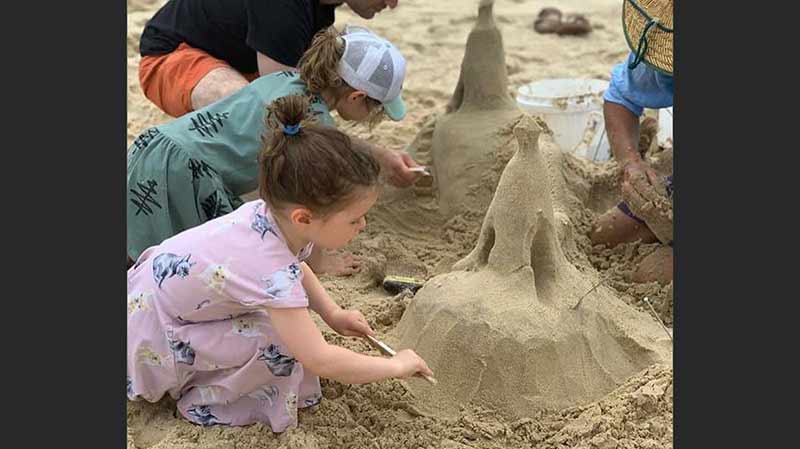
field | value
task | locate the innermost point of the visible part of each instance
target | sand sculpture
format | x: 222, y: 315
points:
x: 465, y: 139
x: 500, y: 328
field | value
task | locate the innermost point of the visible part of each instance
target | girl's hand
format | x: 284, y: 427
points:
x: 396, y: 166
x: 410, y: 364
x: 350, y: 323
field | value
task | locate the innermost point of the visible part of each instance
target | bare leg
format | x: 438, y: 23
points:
x: 614, y: 227
x: 337, y: 264
x: 657, y: 266
x: 217, y: 84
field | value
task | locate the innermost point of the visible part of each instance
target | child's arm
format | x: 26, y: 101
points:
x: 302, y: 338
x: 318, y: 299
x: 346, y: 322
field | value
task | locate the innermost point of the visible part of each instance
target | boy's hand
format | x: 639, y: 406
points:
x: 350, y: 323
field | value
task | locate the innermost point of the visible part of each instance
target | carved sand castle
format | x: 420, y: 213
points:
x: 466, y: 138
x: 500, y: 329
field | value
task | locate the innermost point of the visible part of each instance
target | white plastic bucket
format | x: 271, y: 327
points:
x: 665, y: 127
x: 573, y: 109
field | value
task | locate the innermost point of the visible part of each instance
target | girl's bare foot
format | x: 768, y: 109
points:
x: 336, y: 263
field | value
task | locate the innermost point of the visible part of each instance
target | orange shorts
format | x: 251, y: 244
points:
x: 168, y: 80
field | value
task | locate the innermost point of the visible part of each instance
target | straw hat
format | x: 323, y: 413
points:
x: 648, y: 30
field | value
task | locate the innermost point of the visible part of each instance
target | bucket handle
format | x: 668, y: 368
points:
x: 593, y: 121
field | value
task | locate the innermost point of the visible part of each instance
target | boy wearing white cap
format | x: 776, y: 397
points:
x: 194, y: 169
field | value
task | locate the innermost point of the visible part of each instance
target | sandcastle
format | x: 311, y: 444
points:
x: 500, y: 329
x: 466, y: 138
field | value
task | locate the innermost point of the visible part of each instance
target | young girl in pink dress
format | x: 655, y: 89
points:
x: 218, y: 315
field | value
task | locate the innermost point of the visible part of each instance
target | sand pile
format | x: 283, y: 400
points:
x: 638, y: 414
x: 407, y: 234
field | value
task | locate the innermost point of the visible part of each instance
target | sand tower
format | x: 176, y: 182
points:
x: 465, y: 139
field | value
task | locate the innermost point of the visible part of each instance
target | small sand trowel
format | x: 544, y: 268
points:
x: 384, y: 348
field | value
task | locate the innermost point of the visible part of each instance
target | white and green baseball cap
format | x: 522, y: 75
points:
x: 373, y: 65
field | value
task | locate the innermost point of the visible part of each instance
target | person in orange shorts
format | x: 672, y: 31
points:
x: 195, y: 52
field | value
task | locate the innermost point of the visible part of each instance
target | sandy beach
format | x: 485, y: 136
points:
x: 407, y: 235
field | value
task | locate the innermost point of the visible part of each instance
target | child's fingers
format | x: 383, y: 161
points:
x: 399, y: 167
x: 351, y: 269
x: 641, y: 197
x: 652, y: 176
x: 349, y: 265
x: 367, y: 329
x: 348, y: 270
x: 360, y: 327
x: 350, y: 260
x: 410, y: 164
x: 423, y: 368
x: 403, y: 169
x: 632, y: 197
x: 651, y: 193
x: 424, y: 365
x: 408, y: 160
x: 361, y: 322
